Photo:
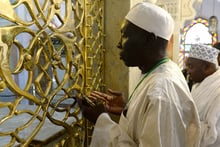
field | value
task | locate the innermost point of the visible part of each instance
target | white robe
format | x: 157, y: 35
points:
x: 161, y: 113
x: 207, y: 99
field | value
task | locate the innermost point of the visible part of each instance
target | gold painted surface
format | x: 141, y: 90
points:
x: 51, y: 51
x: 187, y: 10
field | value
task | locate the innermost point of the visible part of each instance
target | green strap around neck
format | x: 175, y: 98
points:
x: 146, y: 74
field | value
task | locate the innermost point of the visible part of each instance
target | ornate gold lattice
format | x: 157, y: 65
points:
x: 51, y: 53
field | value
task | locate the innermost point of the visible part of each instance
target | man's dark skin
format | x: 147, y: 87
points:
x: 138, y: 48
x: 199, y: 69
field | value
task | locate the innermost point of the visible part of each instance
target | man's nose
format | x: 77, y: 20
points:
x: 119, y: 45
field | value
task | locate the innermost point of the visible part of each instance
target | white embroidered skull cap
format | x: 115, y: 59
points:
x: 204, y: 52
x: 152, y: 18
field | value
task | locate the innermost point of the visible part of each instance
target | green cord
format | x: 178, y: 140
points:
x: 154, y: 67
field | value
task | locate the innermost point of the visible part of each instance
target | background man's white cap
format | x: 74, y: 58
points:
x: 204, y: 52
x: 152, y: 18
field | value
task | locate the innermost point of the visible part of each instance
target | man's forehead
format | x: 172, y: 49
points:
x: 193, y: 60
x: 124, y: 25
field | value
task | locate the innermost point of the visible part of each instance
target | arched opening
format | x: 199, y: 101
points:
x: 196, y: 32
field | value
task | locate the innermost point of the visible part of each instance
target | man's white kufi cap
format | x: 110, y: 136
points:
x: 152, y: 18
x: 150, y: 1
x: 204, y: 52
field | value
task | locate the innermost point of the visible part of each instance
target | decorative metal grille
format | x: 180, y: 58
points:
x: 51, y: 53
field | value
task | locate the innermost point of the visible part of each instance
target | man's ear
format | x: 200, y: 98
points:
x: 205, y: 67
x: 209, y: 68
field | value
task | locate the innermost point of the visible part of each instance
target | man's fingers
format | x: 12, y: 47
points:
x: 102, y: 96
x: 95, y: 98
x: 97, y: 94
x: 113, y: 92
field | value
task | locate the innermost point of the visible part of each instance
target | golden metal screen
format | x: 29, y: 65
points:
x: 51, y: 53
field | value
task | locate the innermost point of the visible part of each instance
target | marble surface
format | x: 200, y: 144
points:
x: 48, y: 129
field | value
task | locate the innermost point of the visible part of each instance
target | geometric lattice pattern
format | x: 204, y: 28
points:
x: 51, y: 54
x: 204, y: 52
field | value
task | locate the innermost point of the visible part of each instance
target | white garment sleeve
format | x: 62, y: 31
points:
x: 159, y: 128
x: 107, y: 133
x: 210, y: 127
x: 168, y: 124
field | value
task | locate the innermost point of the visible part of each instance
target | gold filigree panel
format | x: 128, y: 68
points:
x: 51, y: 52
